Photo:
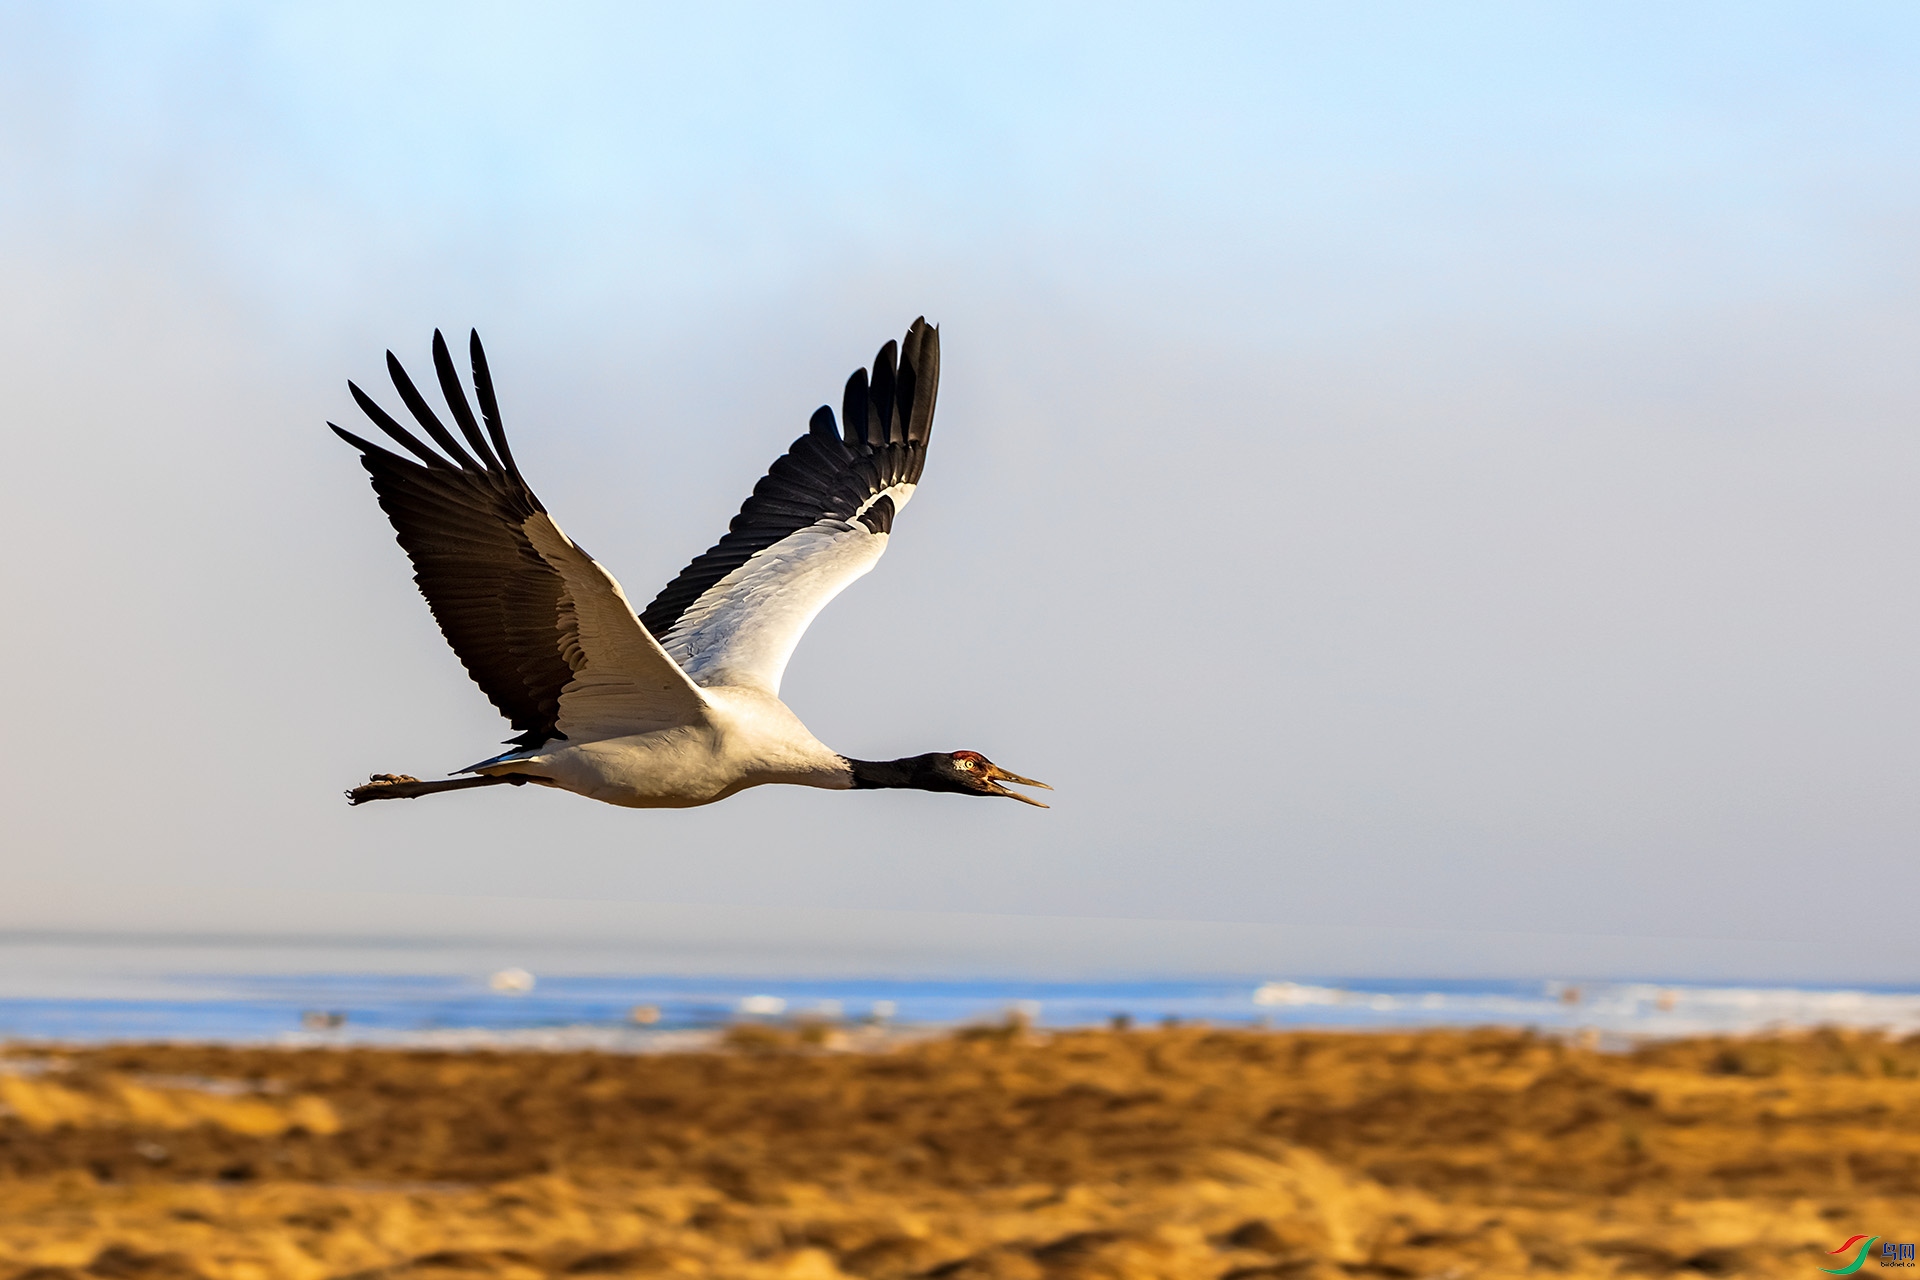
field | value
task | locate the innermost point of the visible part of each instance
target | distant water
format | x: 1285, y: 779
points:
x: 584, y: 1011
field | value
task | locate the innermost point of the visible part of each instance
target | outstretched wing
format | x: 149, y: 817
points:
x: 817, y: 520
x: 544, y: 631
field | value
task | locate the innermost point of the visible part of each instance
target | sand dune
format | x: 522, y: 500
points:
x: 988, y: 1156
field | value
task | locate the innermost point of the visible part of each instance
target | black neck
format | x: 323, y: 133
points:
x: 908, y: 772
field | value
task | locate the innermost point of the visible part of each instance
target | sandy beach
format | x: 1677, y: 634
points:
x: 997, y: 1153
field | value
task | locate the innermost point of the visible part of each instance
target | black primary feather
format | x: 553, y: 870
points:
x: 886, y: 418
x: 456, y: 397
x: 462, y: 524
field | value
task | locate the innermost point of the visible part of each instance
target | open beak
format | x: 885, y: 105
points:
x: 996, y: 774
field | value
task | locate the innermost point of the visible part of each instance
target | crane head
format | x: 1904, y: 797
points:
x: 966, y: 772
x: 972, y: 772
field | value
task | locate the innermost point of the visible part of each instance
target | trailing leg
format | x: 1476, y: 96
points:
x: 399, y: 786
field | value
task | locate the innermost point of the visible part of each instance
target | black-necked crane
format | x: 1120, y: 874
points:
x: 678, y: 705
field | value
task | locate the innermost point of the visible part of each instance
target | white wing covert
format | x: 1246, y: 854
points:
x: 817, y: 520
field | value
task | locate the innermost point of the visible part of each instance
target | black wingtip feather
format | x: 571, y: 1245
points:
x: 456, y: 396
x: 490, y: 410
x: 922, y: 350
x: 366, y: 447
x: 853, y: 410
x: 880, y: 397
x: 431, y: 424
x: 822, y: 427
x: 400, y: 435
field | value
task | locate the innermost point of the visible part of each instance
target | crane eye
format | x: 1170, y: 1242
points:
x: 965, y: 763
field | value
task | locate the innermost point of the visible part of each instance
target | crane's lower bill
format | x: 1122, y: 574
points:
x: 996, y: 775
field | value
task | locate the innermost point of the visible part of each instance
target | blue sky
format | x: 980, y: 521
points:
x: 1442, y: 467
x: 1418, y: 157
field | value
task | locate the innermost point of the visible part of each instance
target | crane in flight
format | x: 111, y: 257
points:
x: 677, y: 705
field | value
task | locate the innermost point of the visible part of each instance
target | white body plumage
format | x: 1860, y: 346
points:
x: 747, y: 738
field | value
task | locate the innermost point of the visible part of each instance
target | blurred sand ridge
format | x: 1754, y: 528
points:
x: 992, y: 1154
